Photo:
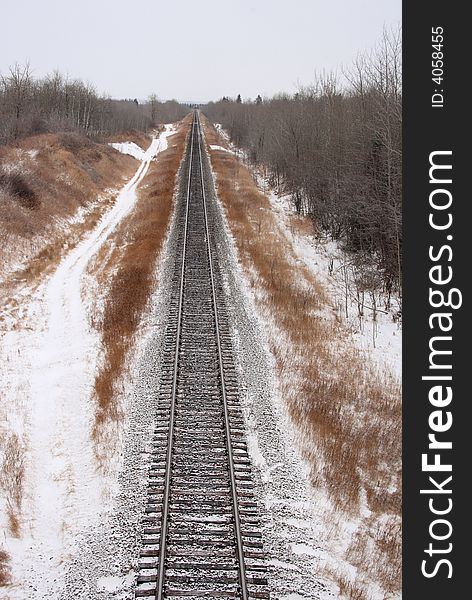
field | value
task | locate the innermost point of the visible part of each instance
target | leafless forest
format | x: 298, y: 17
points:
x: 309, y: 185
x: 337, y: 151
x: 29, y: 106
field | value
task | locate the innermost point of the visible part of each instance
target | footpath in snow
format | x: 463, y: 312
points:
x: 47, y: 385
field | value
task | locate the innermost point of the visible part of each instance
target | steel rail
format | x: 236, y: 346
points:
x: 170, y: 441
x: 234, y: 495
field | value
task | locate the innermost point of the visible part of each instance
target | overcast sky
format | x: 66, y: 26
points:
x: 190, y: 50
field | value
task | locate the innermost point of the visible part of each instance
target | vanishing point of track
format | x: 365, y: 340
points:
x: 200, y: 532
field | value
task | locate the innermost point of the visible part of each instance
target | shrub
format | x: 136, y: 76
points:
x: 20, y: 189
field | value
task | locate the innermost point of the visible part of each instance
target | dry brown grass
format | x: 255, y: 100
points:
x: 44, y: 180
x: 131, y: 265
x: 349, y: 415
x: 4, y: 568
x: 12, y: 480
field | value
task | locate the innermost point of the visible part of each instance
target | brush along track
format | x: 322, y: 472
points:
x: 200, y: 533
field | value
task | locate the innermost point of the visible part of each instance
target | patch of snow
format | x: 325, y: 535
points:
x: 21, y: 163
x: 304, y: 549
x: 283, y: 565
x: 219, y: 128
x: 257, y: 456
x: 216, y: 147
x: 298, y: 523
x: 128, y: 148
x: 137, y: 152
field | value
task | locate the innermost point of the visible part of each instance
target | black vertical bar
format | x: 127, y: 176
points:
x: 429, y: 127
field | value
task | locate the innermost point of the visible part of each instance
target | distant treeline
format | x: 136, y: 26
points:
x: 337, y: 151
x: 56, y: 103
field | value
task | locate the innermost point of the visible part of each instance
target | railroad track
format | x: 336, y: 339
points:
x: 200, y: 533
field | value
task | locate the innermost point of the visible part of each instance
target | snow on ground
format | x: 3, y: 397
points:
x: 50, y: 359
x: 292, y: 512
x: 380, y: 338
x: 129, y: 148
x: 216, y: 147
x: 304, y: 536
